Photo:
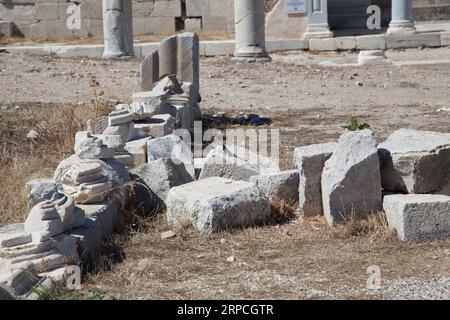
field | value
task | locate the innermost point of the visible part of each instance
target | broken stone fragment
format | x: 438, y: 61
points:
x: 100, y: 221
x: 236, y: 164
x: 158, y: 126
x: 216, y: 204
x: 169, y: 85
x: 351, y: 182
x: 149, y: 71
x: 43, y: 222
x: 162, y: 175
x: 86, y: 183
x: 71, y: 216
x: 88, y: 146
x: 119, y: 117
x: 171, y: 147
x: 418, y: 217
x: 146, y: 104
x: 40, y: 190
x: 145, y: 201
x: 282, y: 186
x: 415, y: 161
x: 22, y: 280
x: 372, y: 57
x: 309, y: 161
x: 120, y: 123
x: 184, y: 118
x: 138, y: 149
x: 168, y: 56
x: 113, y: 170
x: 13, y: 235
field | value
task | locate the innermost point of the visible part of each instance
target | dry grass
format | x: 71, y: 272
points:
x: 23, y: 159
x: 279, y: 261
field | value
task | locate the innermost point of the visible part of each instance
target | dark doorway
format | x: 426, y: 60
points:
x: 349, y: 17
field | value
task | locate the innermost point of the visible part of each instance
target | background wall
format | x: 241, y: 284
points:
x: 47, y: 18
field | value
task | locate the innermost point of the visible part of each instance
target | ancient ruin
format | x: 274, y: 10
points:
x: 156, y: 155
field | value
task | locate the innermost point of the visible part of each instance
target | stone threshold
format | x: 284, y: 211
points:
x: 226, y: 47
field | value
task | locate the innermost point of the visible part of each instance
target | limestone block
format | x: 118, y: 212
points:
x: 138, y: 148
x: 188, y: 68
x: 371, y: 42
x: 445, y: 39
x: 219, y: 48
x: 196, y: 8
x: 344, y: 43
x: 99, y: 224
x: 112, y: 169
x: 332, y: 44
x: 162, y: 175
x: 88, y: 146
x: 372, y: 57
x: 168, y: 56
x: 216, y: 204
x: 281, y: 186
x: 171, y: 147
x: 184, y: 117
x: 169, y: 85
x: 193, y: 24
x: 415, y: 161
x: 418, y: 217
x: 22, y: 280
x: 119, y: 117
x: 414, y: 40
x: 6, y: 29
x: 146, y: 104
x: 157, y: 126
x: 13, y: 235
x: 236, y: 163
x: 149, y: 71
x: 86, y: 183
x: 43, y: 222
x: 143, y: 199
x: 309, y: 161
x: 351, y: 182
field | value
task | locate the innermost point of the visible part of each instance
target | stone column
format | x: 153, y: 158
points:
x: 250, y: 20
x: 318, y: 20
x: 402, y: 21
x: 117, y: 28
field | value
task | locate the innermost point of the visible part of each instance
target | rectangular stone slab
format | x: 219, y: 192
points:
x: 309, y: 161
x: 413, y: 161
x: 216, y: 204
x: 418, y: 217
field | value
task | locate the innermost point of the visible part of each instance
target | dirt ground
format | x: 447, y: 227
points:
x: 309, y: 103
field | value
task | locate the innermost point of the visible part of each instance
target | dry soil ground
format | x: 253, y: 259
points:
x: 309, y: 103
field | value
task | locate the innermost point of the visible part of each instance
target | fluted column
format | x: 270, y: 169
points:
x: 250, y: 20
x: 402, y: 20
x: 117, y: 28
x: 318, y: 26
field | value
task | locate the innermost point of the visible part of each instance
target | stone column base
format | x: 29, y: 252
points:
x: 251, y: 54
x: 400, y: 28
x: 314, y: 33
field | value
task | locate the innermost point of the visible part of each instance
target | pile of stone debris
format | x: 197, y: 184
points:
x: 142, y: 146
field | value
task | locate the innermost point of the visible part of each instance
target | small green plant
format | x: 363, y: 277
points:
x: 354, y: 125
x: 95, y: 296
x: 45, y: 293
